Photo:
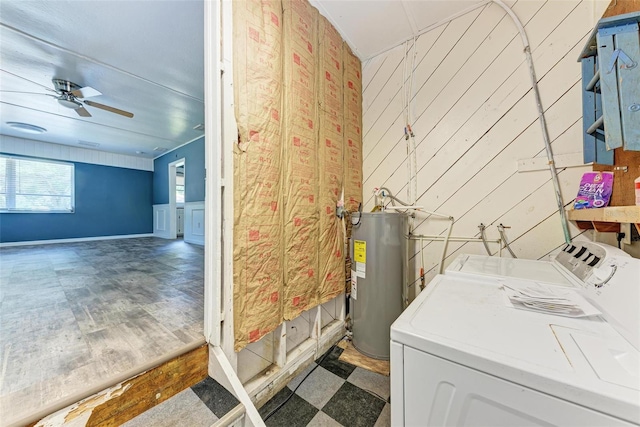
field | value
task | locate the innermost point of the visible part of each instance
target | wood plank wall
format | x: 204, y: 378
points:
x: 475, y: 117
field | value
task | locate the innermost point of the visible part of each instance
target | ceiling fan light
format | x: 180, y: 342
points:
x: 69, y: 103
x: 26, y: 127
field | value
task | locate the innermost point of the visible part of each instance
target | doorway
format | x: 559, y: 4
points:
x: 177, y: 191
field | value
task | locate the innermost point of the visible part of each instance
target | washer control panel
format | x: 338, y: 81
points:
x: 585, y: 259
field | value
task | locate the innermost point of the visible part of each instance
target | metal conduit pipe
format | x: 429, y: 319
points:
x: 451, y: 239
x: 541, y: 118
x: 484, y: 238
x: 503, y: 235
x: 444, y: 246
x: 446, y: 239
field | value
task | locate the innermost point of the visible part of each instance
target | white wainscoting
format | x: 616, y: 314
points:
x: 194, y: 222
x: 161, y: 225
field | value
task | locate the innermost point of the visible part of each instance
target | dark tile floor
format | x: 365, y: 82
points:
x: 201, y: 405
x: 335, y: 393
x: 73, y: 315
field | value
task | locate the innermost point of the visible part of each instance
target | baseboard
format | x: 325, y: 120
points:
x: 74, y: 240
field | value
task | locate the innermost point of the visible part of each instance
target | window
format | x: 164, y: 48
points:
x: 180, y: 194
x: 29, y: 185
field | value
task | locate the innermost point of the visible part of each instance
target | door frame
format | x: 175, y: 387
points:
x: 173, y: 214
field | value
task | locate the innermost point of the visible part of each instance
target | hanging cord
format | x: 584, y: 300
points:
x: 405, y: 110
x: 277, y: 408
x: 541, y: 118
x: 414, y: 156
x: 484, y: 238
x: 422, y: 284
x: 359, y: 216
x: 503, y: 236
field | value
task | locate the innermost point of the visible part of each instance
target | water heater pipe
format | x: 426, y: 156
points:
x: 541, y: 118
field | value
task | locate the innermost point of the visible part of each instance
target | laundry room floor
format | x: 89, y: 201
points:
x: 335, y: 393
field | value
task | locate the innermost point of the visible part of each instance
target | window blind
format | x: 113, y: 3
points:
x: 30, y: 185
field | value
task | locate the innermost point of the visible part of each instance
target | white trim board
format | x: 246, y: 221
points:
x: 74, y: 240
x: 47, y: 150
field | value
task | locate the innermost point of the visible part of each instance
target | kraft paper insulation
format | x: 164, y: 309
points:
x: 353, y: 129
x: 301, y: 225
x: 298, y: 105
x: 331, y: 159
x: 257, y: 254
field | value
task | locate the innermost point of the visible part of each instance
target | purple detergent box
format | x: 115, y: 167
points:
x: 595, y: 190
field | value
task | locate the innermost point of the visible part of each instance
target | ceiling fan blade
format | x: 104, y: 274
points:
x: 110, y: 109
x: 85, y: 92
x: 82, y: 112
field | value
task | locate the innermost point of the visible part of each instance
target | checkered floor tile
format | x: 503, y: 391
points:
x: 327, y: 393
x: 334, y: 393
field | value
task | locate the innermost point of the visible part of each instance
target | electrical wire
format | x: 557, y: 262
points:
x: 280, y: 405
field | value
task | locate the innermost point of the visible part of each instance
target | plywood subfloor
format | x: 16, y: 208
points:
x: 353, y: 356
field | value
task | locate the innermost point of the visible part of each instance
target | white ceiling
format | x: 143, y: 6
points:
x: 147, y: 57
x: 374, y: 26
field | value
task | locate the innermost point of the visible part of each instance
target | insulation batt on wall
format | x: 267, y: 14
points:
x: 300, y: 158
x: 290, y: 74
x: 353, y: 129
x: 257, y: 169
x: 331, y: 161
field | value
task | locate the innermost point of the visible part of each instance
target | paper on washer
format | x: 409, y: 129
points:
x: 548, y: 299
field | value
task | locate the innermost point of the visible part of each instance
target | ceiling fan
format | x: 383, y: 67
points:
x: 71, y: 95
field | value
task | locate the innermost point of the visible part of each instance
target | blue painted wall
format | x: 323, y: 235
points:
x: 193, y: 154
x: 110, y: 201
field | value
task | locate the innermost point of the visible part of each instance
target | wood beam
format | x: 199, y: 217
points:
x: 134, y: 396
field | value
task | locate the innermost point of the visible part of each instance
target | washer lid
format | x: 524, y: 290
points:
x: 483, y: 265
x: 613, y: 361
x: 467, y: 321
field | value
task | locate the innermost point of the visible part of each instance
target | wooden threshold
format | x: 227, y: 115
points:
x: 132, y: 397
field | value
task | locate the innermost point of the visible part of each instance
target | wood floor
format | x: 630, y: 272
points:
x: 75, y: 315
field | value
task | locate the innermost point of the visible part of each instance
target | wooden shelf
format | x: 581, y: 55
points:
x: 605, y: 219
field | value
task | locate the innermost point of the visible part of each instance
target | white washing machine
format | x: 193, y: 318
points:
x: 460, y: 356
x: 574, y: 262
